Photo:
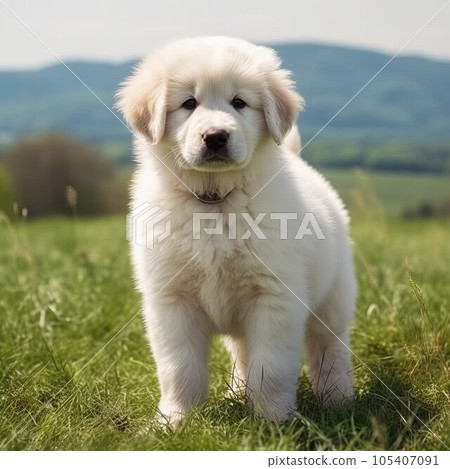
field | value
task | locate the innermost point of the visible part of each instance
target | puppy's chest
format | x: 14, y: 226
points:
x: 227, y: 289
x: 225, y: 266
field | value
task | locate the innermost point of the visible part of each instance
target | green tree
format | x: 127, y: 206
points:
x: 43, y: 167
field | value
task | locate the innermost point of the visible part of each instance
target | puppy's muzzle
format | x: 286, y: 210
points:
x: 215, y: 147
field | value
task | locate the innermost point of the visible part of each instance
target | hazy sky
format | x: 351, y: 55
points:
x: 119, y: 30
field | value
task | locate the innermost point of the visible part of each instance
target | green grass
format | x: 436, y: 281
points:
x: 66, y: 290
x: 387, y: 193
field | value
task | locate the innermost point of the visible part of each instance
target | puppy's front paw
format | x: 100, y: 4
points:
x: 277, y: 407
x: 334, y: 390
x: 171, y: 420
x: 278, y: 414
x: 170, y: 415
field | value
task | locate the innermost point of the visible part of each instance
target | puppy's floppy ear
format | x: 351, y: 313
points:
x: 142, y: 100
x: 281, y: 104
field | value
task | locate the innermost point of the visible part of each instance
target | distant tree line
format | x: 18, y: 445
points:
x: 50, y: 174
x: 389, y: 156
x: 426, y: 209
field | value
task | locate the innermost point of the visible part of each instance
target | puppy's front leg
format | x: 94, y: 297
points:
x: 180, y: 338
x: 274, y: 337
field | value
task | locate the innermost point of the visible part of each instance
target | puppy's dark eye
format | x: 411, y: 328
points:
x: 190, y: 104
x: 238, y: 103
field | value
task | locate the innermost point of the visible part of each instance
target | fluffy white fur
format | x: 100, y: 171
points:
x: 226, y: 289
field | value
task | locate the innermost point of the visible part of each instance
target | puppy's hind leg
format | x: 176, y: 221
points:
x: 328, y: 354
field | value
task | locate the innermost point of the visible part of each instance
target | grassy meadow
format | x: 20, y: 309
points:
x: 387, y: 194
x: 66, y: 292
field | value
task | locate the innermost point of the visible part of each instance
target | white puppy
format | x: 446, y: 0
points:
x: 269, y: 269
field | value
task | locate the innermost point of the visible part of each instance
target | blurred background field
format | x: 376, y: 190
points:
x: 36, y: 171
x: 65, y: 279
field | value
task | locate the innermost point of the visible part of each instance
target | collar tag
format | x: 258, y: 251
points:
x: 212, y: 197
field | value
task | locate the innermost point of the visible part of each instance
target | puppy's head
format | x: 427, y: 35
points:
x: 210, y: 101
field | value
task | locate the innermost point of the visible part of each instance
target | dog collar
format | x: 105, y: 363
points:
x: 212, y: 197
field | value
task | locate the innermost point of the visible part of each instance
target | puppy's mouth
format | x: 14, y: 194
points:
x: 215, y: 155
x: 214, y: 159
x: 212, y: 197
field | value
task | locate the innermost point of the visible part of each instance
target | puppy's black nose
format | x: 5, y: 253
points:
x: 215, y: 138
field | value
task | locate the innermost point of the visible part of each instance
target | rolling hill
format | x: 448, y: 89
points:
x: 408, y: 100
